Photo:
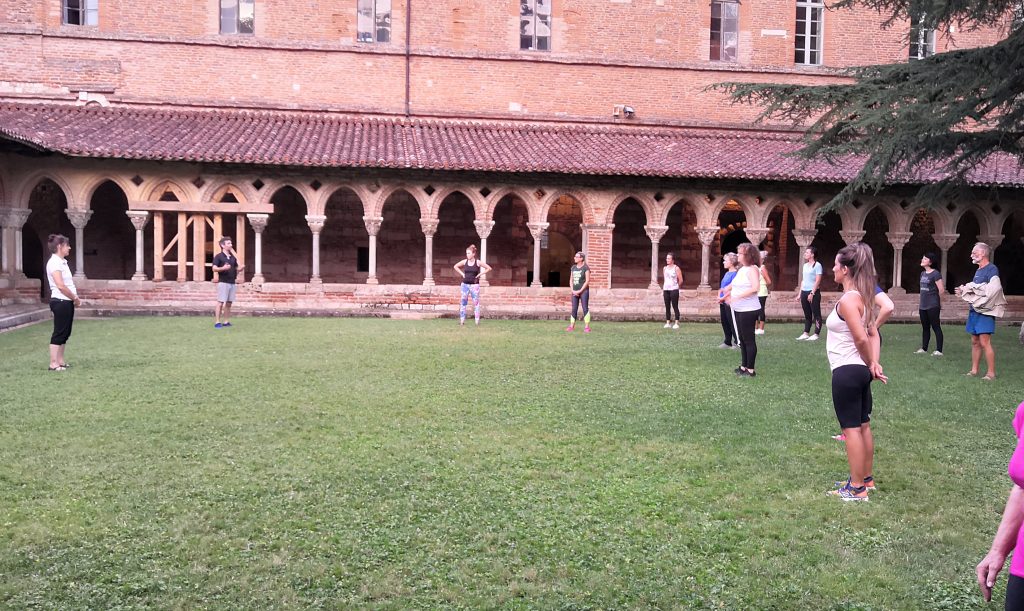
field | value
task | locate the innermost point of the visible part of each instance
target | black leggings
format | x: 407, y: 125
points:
x: 1014, y: 593
x: 63, y: 318
x: 671, y: 300
x: 929, y: 323
x: 812, y: 311
x: 583, y: 298
x: 745, y: 322
x: 730, y: 332
x: 760, y: 313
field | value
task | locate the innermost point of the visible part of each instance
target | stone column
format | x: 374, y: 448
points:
x: 483, y: 229
x: 316, y: 225
x: 756, y: 235
x: 898, y: 239
x: 79, y: 218
x: 7, y: 250
x: 139, y: 218
x: 18, y: 217
x: 429, y: 227
x: 372, y: 229
x: 852, y: 236
x: 537, y: 231
x: 706, y: 235
x: 993, y: 240
x: 655, y: 232
x: 258, y: 223
x: 599, y: 254
x: 945, y: 241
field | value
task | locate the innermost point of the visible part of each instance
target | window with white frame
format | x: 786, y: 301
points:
x: 810, y: 16
x: 725, y: 18
x: 922, y: 40
x: 535, y: 25
x: 237, y: 16
x: 373, y: 20
x: 80, y: 12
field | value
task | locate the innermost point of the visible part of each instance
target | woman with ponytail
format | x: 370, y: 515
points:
x: 853, y: 353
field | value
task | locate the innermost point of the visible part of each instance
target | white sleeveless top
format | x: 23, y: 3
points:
x: 839, y: 344
x: 741, y: 282
x: 671, y: 281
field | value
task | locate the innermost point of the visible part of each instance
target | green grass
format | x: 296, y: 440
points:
x: 386, y: 464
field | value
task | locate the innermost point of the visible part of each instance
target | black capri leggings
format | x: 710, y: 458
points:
x: 745, y: 329
x: 760, y: 313
x: 929, y: 323
x: 63, y: 317
x: 851, y: 395
x: 730, y: 332
x: 671, y: 300
x: 812, y: 311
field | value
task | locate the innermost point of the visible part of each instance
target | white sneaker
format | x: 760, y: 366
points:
x: 936, y: 353
x: 803, y: 336
x: 675, y: 326
x: 668, y: 325
x: 758, y: 331
x: 813, y: 338
x: 920, y: 351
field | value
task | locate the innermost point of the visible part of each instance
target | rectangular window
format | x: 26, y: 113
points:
x: 922, y: 40
x: 237, y: 16
x: 535, y: 25
x: 809, y: 17
x: 80, y: 12
x: 373, y: 20
x: 725, y: 18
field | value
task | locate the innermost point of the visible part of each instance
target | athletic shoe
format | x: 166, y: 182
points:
x: 739, y: 371
x: 217, y: 325
x: 746, y: 373
x: 570, y: 328
x: 735, y: 346
x: 936, y: 353
x: 869, y: 483
x: 586, y: 329
x: 849, y: 493
x: 839, y: 437
x: 920, y: 351
x: 668, y: 325
x: 724, y: 345
x: 227, y: 324
x: 803, y: 336
x: 675, y: 326
x: 813, y: 338
x: 58, y: 368
x: 758, y: 331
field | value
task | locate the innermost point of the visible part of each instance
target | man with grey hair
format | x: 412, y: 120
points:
x: 985, y: 295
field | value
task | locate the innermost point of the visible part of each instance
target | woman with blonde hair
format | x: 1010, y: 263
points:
x: 853, y: 355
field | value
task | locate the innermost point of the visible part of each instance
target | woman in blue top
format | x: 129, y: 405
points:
x: 810, y: 294
x: 730, y: 262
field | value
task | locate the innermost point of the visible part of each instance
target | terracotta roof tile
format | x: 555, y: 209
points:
x: 320, y: 140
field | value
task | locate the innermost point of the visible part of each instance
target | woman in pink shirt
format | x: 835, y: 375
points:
x: 1008, y: 537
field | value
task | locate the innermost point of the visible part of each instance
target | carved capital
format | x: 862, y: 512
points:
x: 78, y: 218
x: 483, y: 228
x: 756, y: 235
x: 537, y: 229
x: 429, y: 227
x: 993, y: 240
x: 656, y: 232
x: 139, y: 218
x: 852, y: 236
x: 804, y: 237
x: 258, y: 222
x: 898, y: 239
x: 707, y: 235
x: 598, y: 226
x: 14, y: 217
x: 945, y: 241
x: 373, y: 224
x: 316, y: 222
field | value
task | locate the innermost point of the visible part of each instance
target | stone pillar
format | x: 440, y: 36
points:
x: 599, y: 254
x: 372, y: 229
x: 993, y: 240
x: 7, y: 249
x: 655, y: 232
x: 139, y: 218
x: 537, y: 231
x: 18, y: 217
x: 945, y: 241
x: 316, y: 225
x: 852, y: 236
x: 483, y: 229
x: 756, y: 235
x: 803, y: 238
x: 898, y: 239
x: 429, y: 227
x: 258, y: 223
x: 79, y: 218
x: 706, y: 235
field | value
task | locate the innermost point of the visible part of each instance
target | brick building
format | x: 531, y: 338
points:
x: 354, y: 148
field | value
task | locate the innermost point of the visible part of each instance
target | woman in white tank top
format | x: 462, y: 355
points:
x: 673, y: 277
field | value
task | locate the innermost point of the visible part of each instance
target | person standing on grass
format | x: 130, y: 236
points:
x: 931, y: 304
x: 226, y: 264
x: 729, y: 263
x: 63, y: 298
x: 471, y: 269
x: 741, y: 296
x: 1009, y: 535
x: 985, y: 295
x: 672, y: 279
x: 810, y: 294
x: 853, y: 355
x: 762, y: 292
x: 579, y: 278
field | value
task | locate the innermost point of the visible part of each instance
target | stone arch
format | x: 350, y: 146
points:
x: 167, y: 189
x: 922, y: 225
x: 109, y: 236
x: 970, y: 227
x: 984, y: 217
x: 344, y: 242
x: 401, y: 244
x: 803, y: 214
x: 229, y: 191
x: 748, y: 207
x: 328, y: 191
x: 420, y: 197
x: 680, y: 216
x: 564, y: 216
x: 647, y: 204
x: 581, y: 198
x: 46, y: 201
x: 287, y: 240
x: 785, y: 258
x: 1009, y: 256
x: 455, y: 215
x: 272, y: 187
x: 509, y: 244
x: 893, y: 215
x: 495, y: 198
x: 630, y: 247
x: 471, y: 194
x: 877, y: 221
x: 88, y: 189
x: 33, y: 180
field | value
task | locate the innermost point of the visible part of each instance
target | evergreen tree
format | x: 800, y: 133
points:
x: 932, y: 121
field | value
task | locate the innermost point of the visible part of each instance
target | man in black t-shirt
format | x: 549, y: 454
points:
x: 226, y: 264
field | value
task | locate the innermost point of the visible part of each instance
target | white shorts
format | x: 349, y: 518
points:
x: 226, y: 292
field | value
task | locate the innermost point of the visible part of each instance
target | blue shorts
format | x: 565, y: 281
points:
x: 980, y: 324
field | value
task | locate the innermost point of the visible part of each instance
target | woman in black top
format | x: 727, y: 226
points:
x: 470, y: 269
x: 931, y: 304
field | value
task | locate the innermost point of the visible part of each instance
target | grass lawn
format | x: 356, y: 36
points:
x: 294, y: 463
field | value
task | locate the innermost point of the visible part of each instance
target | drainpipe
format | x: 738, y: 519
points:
x: 408, y: 57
